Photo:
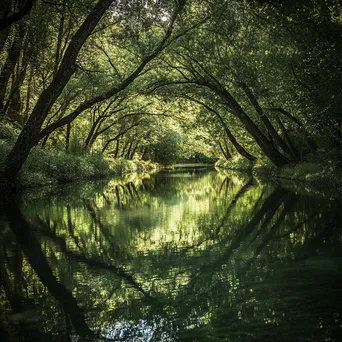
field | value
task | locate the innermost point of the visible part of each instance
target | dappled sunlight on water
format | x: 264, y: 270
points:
x: 191, y: 256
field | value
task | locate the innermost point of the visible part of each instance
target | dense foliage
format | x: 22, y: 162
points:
x: 176, y: 80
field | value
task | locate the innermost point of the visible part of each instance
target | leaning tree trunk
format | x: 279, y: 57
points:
x: 241, y: 150
x: 129, y: 150
x: 9, y: 67
x: 117, y: 149
x: 124, y: 148
x: 224, y: 151
x: 265, y: 145
x: 134, y: 151
x: 90, y: 137
x: 5, y: 10
x: 7, y: 21
x: 267, y: 123
x: 288, y: 140
x: 67, y: 137
x: 26, y: 139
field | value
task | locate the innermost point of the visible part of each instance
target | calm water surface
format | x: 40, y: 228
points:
x: 182, y: 256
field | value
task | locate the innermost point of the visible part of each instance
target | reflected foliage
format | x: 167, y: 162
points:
x: 179, y: 256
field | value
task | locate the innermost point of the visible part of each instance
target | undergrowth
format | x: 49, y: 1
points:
x: 320, y: 169
x: 51, y: 167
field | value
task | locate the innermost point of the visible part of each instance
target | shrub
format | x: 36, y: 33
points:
x: 49, y: 167
x: 167, y: 149
x: 100, y: 165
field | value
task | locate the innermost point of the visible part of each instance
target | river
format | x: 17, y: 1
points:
x: 194, y: 255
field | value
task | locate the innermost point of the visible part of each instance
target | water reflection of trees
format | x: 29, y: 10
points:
x: 170, y: 259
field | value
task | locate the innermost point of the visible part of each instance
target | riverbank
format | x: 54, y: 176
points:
x: 47, y: 167
x: 321, y: 176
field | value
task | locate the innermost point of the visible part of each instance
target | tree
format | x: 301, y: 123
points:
x: 256, y: 69
x: 31, y: 132
x: 166, y: 149
x: 23, y: 145
x: 23, y: 8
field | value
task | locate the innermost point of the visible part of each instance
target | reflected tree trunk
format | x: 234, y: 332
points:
x: 32, y: 249
x: 288, y: 205
x: 272, y: 203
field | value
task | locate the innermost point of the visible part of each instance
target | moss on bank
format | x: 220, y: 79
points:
x: 45, y: 167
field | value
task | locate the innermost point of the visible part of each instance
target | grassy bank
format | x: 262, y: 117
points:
x: 45, y: 167
x: 320, y: 171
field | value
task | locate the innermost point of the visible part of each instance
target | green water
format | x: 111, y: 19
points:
x: 179, y: 256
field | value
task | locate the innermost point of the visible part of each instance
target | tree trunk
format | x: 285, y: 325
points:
x: 311, y: 143
x: 8, y: 69
x: 124, y: 148
x: 229, y: 134
x: 265, y: 145
x: 7, y: 21
x: 93, y: 138
x: 28, y: 96
x: 59, y: 39
x: 67, y: 137
x: 288, y: 140
x: 267, y: 123
x: 227, y: 148
x: 14, y: 103
x: 26, y: 139
x: 242, y: 151
x: 89, y: 140
x: 133, y: 152
x: 5, y: 10
x: 129, y: 150
x: 46, y: 138
x: 224, y: 151
x: 106, y: 145
x: 117, y: 148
